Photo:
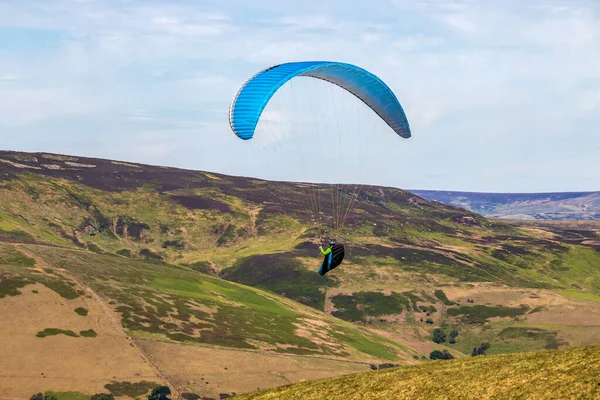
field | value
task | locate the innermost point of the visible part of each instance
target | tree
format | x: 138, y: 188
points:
x: 452, y: 340
x: 439, y: 336
x: 103, y: 396
x: 453, y: 333
x: 46, y: 396
x: 435, y: 355
x: 440, y: 355
x: 160, y: 393
x: 477, y: 351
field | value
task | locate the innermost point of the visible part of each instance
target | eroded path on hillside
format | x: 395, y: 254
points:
x: 205, y: 369
x: 110, y: 356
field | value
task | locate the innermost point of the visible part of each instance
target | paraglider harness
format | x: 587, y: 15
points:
x: 333, y: 257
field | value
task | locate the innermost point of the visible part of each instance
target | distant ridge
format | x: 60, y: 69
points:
x: 531, y: 206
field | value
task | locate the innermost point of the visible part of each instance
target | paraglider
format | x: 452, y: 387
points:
x: 255, y: 94
x: 333, y: 257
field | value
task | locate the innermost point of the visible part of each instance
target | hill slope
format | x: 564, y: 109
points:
x: 563, y: 374
x: 56, y: 336
x: 411, y: 265
x: 540, y: 206
x: 47, y: 308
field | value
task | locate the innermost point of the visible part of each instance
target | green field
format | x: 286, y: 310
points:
x: 178, y: 304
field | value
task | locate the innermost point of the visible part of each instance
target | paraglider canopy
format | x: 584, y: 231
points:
x: 253, y: 96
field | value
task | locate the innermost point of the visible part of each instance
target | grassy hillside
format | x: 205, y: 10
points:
x: 168, y: 248
x: 528, y: 206
x: 55, y: 335
x: 563, y: 374
x: 167, y: 302
x: 156, y: 302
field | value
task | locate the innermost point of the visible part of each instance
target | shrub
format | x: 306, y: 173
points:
x: 150, y: 255
x: 81, y: 311
x: 160, y: 393
x: 442, y: 297
x: 477, y: 351
x: 88, y: 333
x: 440, y: 355
x: 124, y: 253
x: 178, y: 244
x: 55, y: 331
x: 190, y: 396
x: 102, y: 396
x: 439, y: 336
x: 129, y: 389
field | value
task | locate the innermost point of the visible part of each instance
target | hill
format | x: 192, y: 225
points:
x: 169, y: 251
x: 562, y: 374
x: 65, y: 308
x: 532, y: 206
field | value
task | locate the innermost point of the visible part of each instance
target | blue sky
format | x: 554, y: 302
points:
x: 501, y: 95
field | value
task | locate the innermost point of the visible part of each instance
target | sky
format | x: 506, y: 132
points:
x: 501, y: 96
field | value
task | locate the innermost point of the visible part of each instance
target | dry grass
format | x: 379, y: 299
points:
x: 551, y: 308
x: 586, y: 224
x: 209, y: 371
x: 562, y: 374
x: 30, y: 364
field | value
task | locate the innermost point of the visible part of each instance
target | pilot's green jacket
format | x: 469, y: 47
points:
x: 325, y: 252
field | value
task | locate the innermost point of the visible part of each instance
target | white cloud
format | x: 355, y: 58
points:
x: 9, y: 78
x: 483, y: 79
x: 307, y: 24
x: 140, y: 115
x: 590, y: 103
x: 461, y: 22
x: 24, y: 106
x: 171, y: 25
x: 417, y: 43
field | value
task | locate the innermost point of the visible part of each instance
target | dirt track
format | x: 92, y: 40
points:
x: 87, y: 364
x: 31, y: 364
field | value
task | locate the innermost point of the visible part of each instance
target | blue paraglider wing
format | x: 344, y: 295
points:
x: 251, y: 99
